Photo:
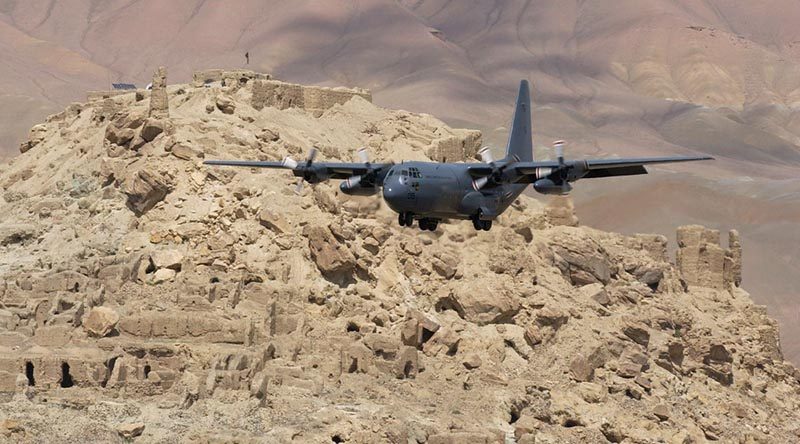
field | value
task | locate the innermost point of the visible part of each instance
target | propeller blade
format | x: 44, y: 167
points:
x: 559, y: 147
x: 479, y: 183
x: 486, y: 154
x: 312, y: 154
x: 288, y: 162
x: 363, y: 155
x: 299, y: 187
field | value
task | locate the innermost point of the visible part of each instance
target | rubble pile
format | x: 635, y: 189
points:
x: 148, y: 297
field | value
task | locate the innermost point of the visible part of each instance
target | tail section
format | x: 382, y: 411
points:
x: 520, y: 142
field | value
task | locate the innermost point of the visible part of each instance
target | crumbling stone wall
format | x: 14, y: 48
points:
x: 315, y: 99
x: 277, y: 94
x: 226, y: 77
x: 159, y: 101
x: 459, y: 148
x: 703, y: 262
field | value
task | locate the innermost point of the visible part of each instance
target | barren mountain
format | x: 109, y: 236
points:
x: 149, y: 297
x: 611, y: 77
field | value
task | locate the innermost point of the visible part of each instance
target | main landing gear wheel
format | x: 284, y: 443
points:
x: 405, y: 219
x: 428, y: 224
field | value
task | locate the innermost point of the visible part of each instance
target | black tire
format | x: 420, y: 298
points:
x: 409, y: 219
x: 486, y: 225
x: 432, y: 224
x: 401, y: 219
x: 423, y: 224
x: 477, y: 224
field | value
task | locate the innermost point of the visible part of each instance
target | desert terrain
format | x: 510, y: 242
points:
x: 148, y: 297
x: 612, y: 78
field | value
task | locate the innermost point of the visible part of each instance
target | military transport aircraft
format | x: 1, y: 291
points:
x: 432, y: 191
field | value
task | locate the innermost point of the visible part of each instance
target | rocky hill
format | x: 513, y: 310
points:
x: 148, y: 297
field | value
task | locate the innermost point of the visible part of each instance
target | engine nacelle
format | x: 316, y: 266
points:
x: 547, y: 186
x: 354, y: 187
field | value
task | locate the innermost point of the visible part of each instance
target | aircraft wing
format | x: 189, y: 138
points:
x: 321, y: 170
x: 594, y: 168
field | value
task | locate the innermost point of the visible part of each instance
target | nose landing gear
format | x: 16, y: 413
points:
x: 479, y: 224
x: 405, y: 219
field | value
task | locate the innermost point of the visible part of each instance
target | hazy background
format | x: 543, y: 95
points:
x: 613, y: 77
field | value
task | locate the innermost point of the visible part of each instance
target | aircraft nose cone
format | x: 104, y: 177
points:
x: 392, y: 194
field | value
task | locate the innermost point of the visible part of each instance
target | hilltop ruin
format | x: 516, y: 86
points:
x: 147, y: 295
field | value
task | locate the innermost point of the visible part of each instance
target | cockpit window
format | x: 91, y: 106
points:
x: 404, y: 172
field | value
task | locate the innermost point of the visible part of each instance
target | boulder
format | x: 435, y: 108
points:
x: 167, y: 259
x: 596, y: 292
x: 185, y: 152
x: 119, y: 136
x: 582, y: 259
x: 481, y: 305
x: 163, y: 275
x: 36, y: 135
x: 226, y: 105
x: 274, y: 221
x: 144, y: 190
x: 130, y: 430
x: 333, y: 259
x: 152, y: 128
x: 100, y: 321
x: 637, y: 333
x: 583, y: 365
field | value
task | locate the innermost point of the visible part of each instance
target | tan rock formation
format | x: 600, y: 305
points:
x: 703, y: 262
x: 159, y: 101
x: 250, y: 314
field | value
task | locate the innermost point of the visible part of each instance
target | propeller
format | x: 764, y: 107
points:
x: 486, y: 154
x: 558, y: 145
x: 363, y: 155
x: 312, y: 153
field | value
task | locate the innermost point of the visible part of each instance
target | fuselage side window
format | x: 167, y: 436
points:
x: 404, y: 172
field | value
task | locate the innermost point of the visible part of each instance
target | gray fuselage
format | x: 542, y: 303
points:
x: 444, y: 191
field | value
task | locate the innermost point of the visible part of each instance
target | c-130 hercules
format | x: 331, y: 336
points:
x: 432, y: 191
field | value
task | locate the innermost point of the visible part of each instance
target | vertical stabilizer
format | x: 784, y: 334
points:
x: 520, y: 142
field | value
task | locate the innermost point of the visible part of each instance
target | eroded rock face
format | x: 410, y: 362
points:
x: 582, y: 258
x: 332, y: 257
x: 235, y: 295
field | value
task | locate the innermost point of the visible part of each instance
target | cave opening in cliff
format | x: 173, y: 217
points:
x: 29, y: 373
x: 66, y: 378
